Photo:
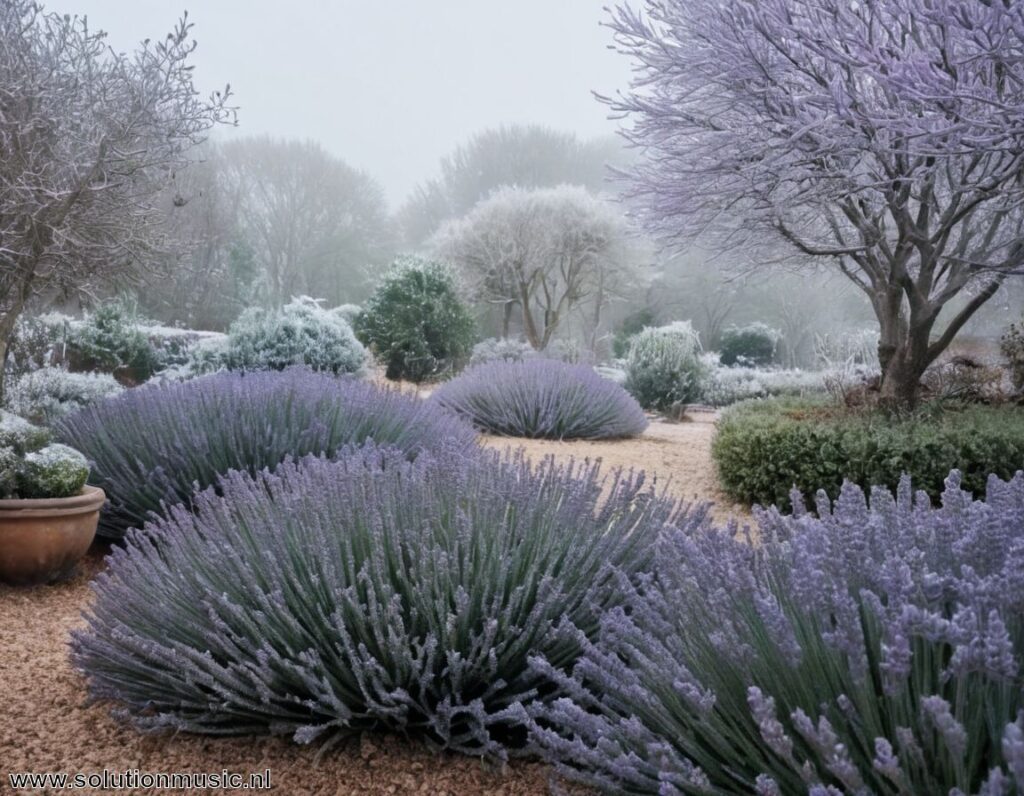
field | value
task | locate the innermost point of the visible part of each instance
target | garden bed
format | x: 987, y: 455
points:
x: 49, y: 727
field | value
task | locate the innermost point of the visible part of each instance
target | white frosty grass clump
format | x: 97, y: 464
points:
x: 724, y: 385
x: 55, y: 471
x: 46, y: 394
x: 495, y: 349
x: 848, y: 348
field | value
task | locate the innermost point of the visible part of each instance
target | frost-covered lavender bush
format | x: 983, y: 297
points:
x: 876, y: 650
x: 663, y: 367
x: 153, y: 444
x: 300, y: 333
x: 495, y: 349
x: 366, y: 593
x: 32, y: 467
x: 46, y: 394
x: 542, y: 398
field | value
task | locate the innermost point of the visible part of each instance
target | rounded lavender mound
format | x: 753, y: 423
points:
x: 364, y: 593
x: 154, y: 445
x: 542, y: 399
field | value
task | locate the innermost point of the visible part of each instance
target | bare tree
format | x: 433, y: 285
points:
x: 316, y: 225
x: 544, y: 252
x: 88, y: 140
x: 212, y: 277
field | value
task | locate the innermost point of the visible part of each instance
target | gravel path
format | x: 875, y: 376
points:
x: 46, y: 725
x: 676, y: 454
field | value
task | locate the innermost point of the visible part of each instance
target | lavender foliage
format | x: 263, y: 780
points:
x: 875, y: 649
x: 155, y: 445
x: 542, y: 398
x: 365, y: 593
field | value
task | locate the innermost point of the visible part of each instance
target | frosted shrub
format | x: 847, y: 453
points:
x: 364, y: 594
x: 876, y: 650
x: 300, y: 333
x: 152, y: 445
x: 347, y: 312
x: 542, y: 398
x: 32, y: 467
x: 724, y: 386
x: 663, y: 368
x: 46, y: 394
x: 752, y: 345
x: 38, y: 341
x: 109, y: 340
x: 495, y: 349
x: 416, y: 322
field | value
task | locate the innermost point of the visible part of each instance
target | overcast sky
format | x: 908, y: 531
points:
x: 389, y: 85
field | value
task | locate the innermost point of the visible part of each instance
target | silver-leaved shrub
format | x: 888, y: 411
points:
x: 152, y: 445
x: 49, y: 393
x: 542, y: 398
x: 664, y: 367
x: 874, y: 649
x: 366, y: 593
x: 299, y: 333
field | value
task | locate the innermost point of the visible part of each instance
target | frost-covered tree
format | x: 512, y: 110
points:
x: 527, y: 156
x: 885, y: 136
x: 542, y: 252
x: 89, y: 138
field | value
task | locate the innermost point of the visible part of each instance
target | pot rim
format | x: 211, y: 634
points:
x: 91, y: 498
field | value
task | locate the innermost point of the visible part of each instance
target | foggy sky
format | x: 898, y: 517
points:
x: 388, y: 85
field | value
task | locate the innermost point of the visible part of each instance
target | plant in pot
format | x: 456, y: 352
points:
x: 48, y: 515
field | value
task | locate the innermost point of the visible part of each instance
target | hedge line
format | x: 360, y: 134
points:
x: 765, y: 448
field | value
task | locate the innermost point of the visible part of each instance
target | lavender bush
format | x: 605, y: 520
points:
x: 541, y: 398
x: 874, y: 650
x: 153, y: 445
x: 365, y: 593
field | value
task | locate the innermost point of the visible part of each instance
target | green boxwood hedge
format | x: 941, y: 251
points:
x: 765, y: 448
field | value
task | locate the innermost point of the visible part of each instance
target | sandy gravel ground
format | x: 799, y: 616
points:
x: 46, y: 725
x: 676, y: 454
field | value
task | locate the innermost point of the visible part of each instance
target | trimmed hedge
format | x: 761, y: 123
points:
x: 749, y: 346
x: 764, y: 449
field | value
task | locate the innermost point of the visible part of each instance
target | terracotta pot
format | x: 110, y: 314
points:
x: 42, y: 540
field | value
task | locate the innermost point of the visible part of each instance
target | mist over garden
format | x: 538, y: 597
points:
x: 680, y: 452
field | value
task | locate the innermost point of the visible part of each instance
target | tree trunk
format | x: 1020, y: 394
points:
x: 506, y: 319
x: 901, y: 381
x: 7, y: 324
x: 529, y: 325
